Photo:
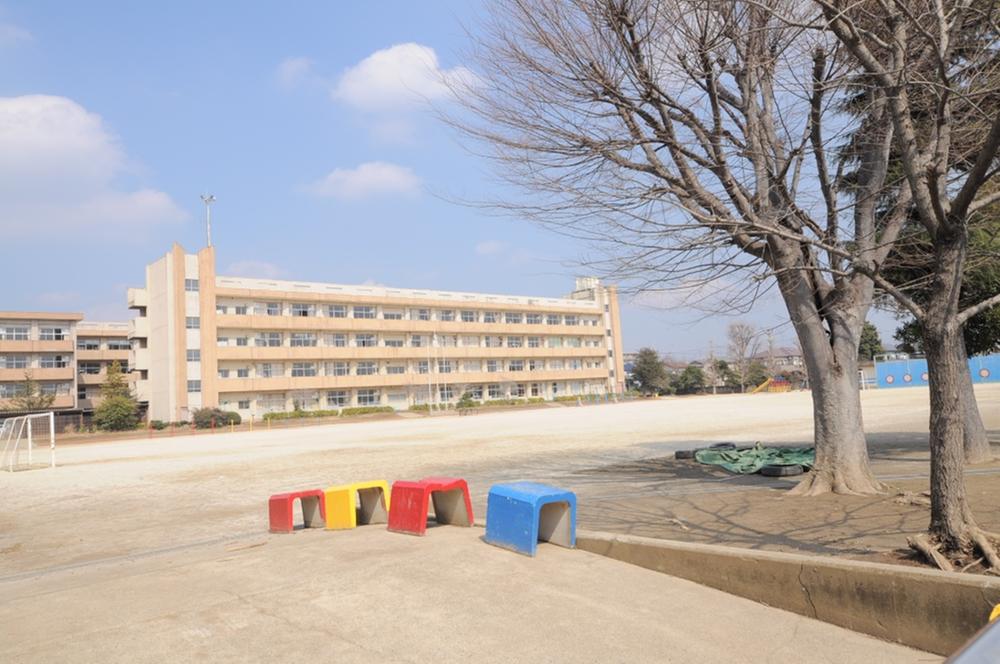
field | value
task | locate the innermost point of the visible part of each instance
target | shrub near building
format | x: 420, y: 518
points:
x: 118, y: 410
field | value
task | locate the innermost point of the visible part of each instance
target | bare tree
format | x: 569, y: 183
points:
x: 688, y: 140
x: 744, y: 345
x: 946, y: 50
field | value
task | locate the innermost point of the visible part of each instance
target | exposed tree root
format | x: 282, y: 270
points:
x: 986, y: 547
x: 922, y: 499
x: 931, y: 552
x: 817, y: 483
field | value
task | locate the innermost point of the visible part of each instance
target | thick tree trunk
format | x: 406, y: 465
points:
x: 951, y: 519
x: 976, y: 443
x: 841, y: 447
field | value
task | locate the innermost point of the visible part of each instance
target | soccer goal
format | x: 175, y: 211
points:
x: 20, y: 435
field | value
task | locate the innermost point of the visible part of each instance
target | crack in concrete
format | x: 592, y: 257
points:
x: 805, y: 589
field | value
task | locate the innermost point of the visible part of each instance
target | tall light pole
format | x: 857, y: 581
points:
x: 208, y: 199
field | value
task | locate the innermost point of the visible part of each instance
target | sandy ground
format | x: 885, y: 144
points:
x: 109, y: 507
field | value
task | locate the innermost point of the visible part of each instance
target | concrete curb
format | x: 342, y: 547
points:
x: 921, y: 608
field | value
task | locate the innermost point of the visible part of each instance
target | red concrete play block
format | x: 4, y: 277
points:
x: 279, y: 508
x: 452, y: 504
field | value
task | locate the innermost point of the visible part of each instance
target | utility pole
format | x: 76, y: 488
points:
x: 208, y: 199
x: 711, y: 365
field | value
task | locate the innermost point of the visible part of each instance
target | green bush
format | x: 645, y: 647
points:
x: 159, y: 425
x: 365, y: 410
x: 207, y: 418
x: 420, y: 408
x: 567, y: 398
x: 116, y: 413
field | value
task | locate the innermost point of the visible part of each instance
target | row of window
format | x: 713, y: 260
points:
x: 43, y: 361
x: 93, y: 343
x: 11, y: 390
x: 374, y: 368
x: 372, y: 340
x: 94, y: 368
x: 388, y: 313
x: 23, y: 333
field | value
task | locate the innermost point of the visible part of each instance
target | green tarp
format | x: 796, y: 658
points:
x: 746, y: 462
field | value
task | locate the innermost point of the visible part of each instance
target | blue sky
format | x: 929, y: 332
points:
x: 301, y: 118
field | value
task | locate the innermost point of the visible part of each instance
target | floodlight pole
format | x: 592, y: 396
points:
x: 208, y: 199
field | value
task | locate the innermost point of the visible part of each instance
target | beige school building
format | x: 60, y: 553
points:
x: 262, y: 345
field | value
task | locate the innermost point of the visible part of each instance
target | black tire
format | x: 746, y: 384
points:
x: 684, y: 454
x: 722, y: 446
x: 782, y: 471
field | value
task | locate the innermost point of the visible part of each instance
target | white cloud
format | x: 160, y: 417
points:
x: 294, y: 71
x: 58, y: 171
x: 401, y: 75
x: 255, y: 269
x: 490, y: 247
x: 13, y: 35
x: 374, y: 178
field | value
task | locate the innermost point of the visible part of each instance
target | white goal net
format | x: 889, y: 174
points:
x: 20, y: 438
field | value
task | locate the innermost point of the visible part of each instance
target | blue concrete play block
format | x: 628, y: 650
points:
x: 520, y: 514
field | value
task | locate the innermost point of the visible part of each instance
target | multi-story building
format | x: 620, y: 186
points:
x: 40, y: 345
x: 261, y: 345
x: 66, y: 356
x: 98, y: 345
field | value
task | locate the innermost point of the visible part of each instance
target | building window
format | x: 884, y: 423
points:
x: 469, y: 317
x: 472, y: 342
x: 575, y: 365
x: 571, y: 320
x: 243, y: 404
x: 534, y: 342
x: 423, y: 366
x: 555, y: 364
x: 302, y: 310
x: 535, y: 390
x: 446, y: 315
x: 365, y: 340
x: 220, y: 309
x: 272, y: 308
x: 54, y: 388
x: 494, y: 391
x: 191, y: 285
x: 416, y: 341
x: 472, y: 365
x: 493, y: 342
x: 192, y: 322
x: 243, y: 373
x: 515, y: 342
x: 242, y: 341
x: 533, y: 319
x: 368, y: 397
x: 445, y: 393
x: 393, y: 343
x: 392, y: 315
x: 337, y: 311
x: 423, y: 314
x: 337, y: 369
x: 194, y: 386
x: 447, y: 340
x: 119, y: 344
x: 268, y: 370
x: 555, y: 342
x: 492, y: 366
x: 336, y: 340
x: 573, y: 342
x: 512, y: 318
x: 395, y: 369
x: 519, y: 390
x: 444, y: 366
x: 515, y: 365
x: 337, y: 398
x: 491, y: 317
x: 88, y: 368
x: 193, y: 355
x: 366, y: 369
x: 301, y: 339
x: 87, y: 344
x: 553, y: 319
x: 13, y: 333
x: 272, y: 339
x: 241, y: 310
x: 81, y: 392
x: 52, y: 334
x: 364, y: 312
x: 53, y: 362
x: 477, y: 392
x: 223, y: 373
x: 303, y: 369
x: 532, y: 365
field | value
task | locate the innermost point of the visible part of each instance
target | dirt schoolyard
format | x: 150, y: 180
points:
x: 173, y: 511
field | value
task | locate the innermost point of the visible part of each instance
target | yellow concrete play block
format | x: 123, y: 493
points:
x: 359, y: 503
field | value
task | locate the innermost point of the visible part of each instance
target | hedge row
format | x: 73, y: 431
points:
x: 343, y: 412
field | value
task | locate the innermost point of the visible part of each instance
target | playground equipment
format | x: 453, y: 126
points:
x: 359, y: 503
x: 521, y: 514
x: 410, y: 502
x: 281, y: 513
x: 17, y: 440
